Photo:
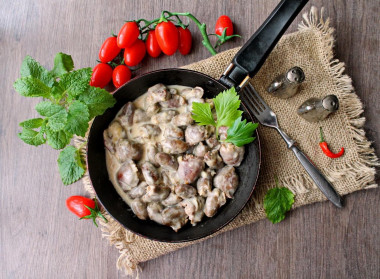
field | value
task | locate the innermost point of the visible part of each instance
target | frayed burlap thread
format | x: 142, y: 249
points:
x: 311, y: 48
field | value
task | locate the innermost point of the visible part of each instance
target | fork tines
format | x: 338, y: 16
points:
x: 253, y: 101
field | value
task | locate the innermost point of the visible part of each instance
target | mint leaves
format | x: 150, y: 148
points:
x: 68, y: 106
x: 227, y: 105
x: 277, y: 202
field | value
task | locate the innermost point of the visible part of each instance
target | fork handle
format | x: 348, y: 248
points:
x: 322, y: 183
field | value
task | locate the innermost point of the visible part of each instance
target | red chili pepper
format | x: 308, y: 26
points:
x: 325, y: 148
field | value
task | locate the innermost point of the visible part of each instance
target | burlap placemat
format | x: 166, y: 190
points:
x: 311, y: 48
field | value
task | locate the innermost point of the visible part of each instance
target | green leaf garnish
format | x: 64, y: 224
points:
x: 71, y: 104
x: 56, y: 114
x: 32, y: 123
x: 32, y: 68
x: 71, y: 167
x: 277, y: 202
x: 77, y: 119
x: 202, y: 114
x: 31, y: 87
x: 32, y: 137
x: 63, y: 64
x: 97, y: 100
x: 241, y: 132
x: 227, y: 106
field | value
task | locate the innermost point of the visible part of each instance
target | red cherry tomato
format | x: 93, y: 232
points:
x: 76, y: 204
x: 128, y: 34
x: 135, y: 53
x: 101, y: 75
x: 224, y: 22
x: 184, y: 40
x: 121, y: 74
x: 167, y: 37
x: 109, y: 50
x: 152, y: 46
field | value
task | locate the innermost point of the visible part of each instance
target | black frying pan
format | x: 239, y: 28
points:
x: 245, y: 65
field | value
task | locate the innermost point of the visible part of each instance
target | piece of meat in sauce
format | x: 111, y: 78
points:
x: 140, y: 116
x: 150, y: 173
x: 223, y: 132
x: 227, y: 180
x: 127, y: 175
x: 149, y: 130
x: 194, y: 208
x: 176, y: 101
x: 138, y: 191
x: 174, y: 216
x: 166, y: 161
x: 213, y: 160
x: 189, y: 93
x: 185, y: 191
x: 214, y: 201
x: 126, y: 115
x: 155, y: 193
x: 139, y: 208
x: 156, y: 93
x: 231, y: 154
x: 163, y: 117
x: 127, y: 150
x: 182, y: 119
x: 189, y: 168
x: 204, y: 184
x: 200, y: 150
x: 154, y: 212
x: 150, y: 152
x: 174, y: 132
x: 174, y: 146
x: 213, y: 142
x: 195, y: 134
x: 172, y: 199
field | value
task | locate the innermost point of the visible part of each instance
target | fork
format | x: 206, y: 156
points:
x: 264, y: 114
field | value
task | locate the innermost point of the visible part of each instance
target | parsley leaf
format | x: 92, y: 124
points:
x: 77, y: 119
x: 32, y: 123
x: 227, y: 106
x: 31, y: 87
x: 58, y: 139
x: 97, y: 100
x: 57, y: 115
x: 202, y: 114
x: 70, y: 165
x: 31, y: 67
x: 32, y: 137
x: 76, y: 82
x: 241, y: 132
x: 277, y: 202
x: 63, y: 63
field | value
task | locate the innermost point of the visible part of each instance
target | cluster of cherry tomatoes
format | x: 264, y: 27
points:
x: 129, y: 49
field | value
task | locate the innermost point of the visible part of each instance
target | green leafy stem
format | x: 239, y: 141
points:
x: 68, y: 106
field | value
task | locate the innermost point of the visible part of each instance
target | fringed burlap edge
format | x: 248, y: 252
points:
x: 363, y: 169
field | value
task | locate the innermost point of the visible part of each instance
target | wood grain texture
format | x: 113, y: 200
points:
x: 41, y: 239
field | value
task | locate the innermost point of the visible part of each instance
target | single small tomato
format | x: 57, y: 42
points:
x: 222, y: 23
x: 101, y: 75
x: 185, y: 40
x: 84, y: 208
x: 152, y: 47
x: 167, y: 37
x: 135, y: 53
x: 121, y: 74
x: 109, y: 50
x: 128, y: 34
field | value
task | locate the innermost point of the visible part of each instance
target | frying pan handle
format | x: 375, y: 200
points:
x: 248, y: 61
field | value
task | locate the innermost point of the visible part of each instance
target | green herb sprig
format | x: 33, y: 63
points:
x: 277, y: 202
x: 68, y: 106
x: 227, y: 105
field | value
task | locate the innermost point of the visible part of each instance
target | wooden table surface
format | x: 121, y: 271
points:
x: 41, y: 239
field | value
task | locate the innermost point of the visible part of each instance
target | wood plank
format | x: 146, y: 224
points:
x: 41, y: 239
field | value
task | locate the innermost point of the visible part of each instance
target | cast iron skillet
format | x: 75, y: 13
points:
x: 246, y: 63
